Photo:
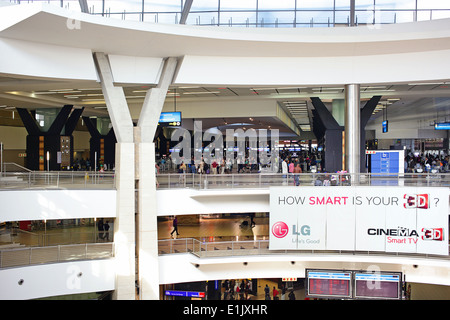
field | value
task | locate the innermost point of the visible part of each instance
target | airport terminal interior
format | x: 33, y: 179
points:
x: 271, y: 150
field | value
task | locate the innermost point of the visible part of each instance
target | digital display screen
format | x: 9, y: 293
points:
x: 385, y: 126
x: 322, y: 283
x: 442, y: 126
x: 328, y: 284
x: 192, y: 294
x: 170, y: 119
x: 378, y: 285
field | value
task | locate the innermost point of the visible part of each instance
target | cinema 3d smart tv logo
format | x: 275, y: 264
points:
x: 393, y: 235
x: 280, y: 229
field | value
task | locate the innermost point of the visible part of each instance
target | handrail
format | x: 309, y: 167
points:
x: 204, y: 249
x: 18, y: 257
x: 106, y: 180
x: 265, y: 180
x: 58, y: 179
x: 15, y: 165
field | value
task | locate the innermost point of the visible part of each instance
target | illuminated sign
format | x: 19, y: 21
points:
x: 289, y: 279
x: 170, y: 119
x: 329, y: 283
x: 352, y: 284
x: 359, y: 218
x: 378, y: 285
x: 385, y: 126
x: 191, y: 294
x: 442, y: 126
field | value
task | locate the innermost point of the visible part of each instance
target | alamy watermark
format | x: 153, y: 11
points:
x: 243, y: 146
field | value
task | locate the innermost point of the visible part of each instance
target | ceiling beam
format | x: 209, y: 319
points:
x: 185, y: 12
x: 84, y: 6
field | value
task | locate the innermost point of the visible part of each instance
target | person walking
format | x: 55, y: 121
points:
x: 275, y: 294
x: 100, y: 229
x: 106, y: 229
x: 175, y: 227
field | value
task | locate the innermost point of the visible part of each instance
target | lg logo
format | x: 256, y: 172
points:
x: 280, y: 229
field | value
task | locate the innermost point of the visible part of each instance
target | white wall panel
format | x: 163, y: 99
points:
x: 370, y: 69
x: 25, y: 58
x: 190, y: 201
x: 142, y: 70
x: 433, y: 271
x: 57, y: 279
x: 18, y: 205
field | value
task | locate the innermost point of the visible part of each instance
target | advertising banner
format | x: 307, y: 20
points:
x: 389, y: 219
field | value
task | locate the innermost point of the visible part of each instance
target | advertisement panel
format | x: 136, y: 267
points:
x: 390, y: 219
x: 431, y: 222
x: 342, y: 235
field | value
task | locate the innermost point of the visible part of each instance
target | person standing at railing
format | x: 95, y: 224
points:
x: 297, y: 171
x: 182, y: 170
x: 291, y: 166
x: 284, y: 168
x: 214, y: 167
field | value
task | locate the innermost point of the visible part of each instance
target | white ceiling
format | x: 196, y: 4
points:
x: 421, y: 102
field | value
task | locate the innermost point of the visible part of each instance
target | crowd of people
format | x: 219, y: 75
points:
x: 243, y: 290
x: 294, y: 162
x: 301, y: 161
x: 426, y: 163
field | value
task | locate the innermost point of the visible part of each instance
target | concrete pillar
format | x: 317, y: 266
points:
x: 124, y: 226
x: 147, y: 228
x: 147, y: 244
x: 352, y: 128
x: 135, y: 236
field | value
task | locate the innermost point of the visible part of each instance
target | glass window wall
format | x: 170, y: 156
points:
x: 263, y: 13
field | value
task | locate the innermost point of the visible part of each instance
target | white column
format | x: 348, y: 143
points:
x: 352, y: 128
x: 147, y: 245
x: 124, y: 225
x: 148, y: 267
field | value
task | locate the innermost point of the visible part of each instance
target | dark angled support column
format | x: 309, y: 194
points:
x: 327, y: 127
x: 366, y: 113
x: 33, y: 160
x: 99, y: 142
x: 39, y: 142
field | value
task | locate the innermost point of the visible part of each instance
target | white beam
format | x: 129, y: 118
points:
x: 154, y: 102
x: 115, y: 100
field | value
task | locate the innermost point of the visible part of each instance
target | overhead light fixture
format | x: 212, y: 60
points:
x: 208, y: 92
x: 41, y: 92
x: 426, y: 83
x: 381, y: 90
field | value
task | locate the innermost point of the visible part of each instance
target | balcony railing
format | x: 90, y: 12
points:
x: 265, y: 180
x: 17, y: 257
x: 207, y: 249
x: 106, y: 180
x: 57, y: 179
